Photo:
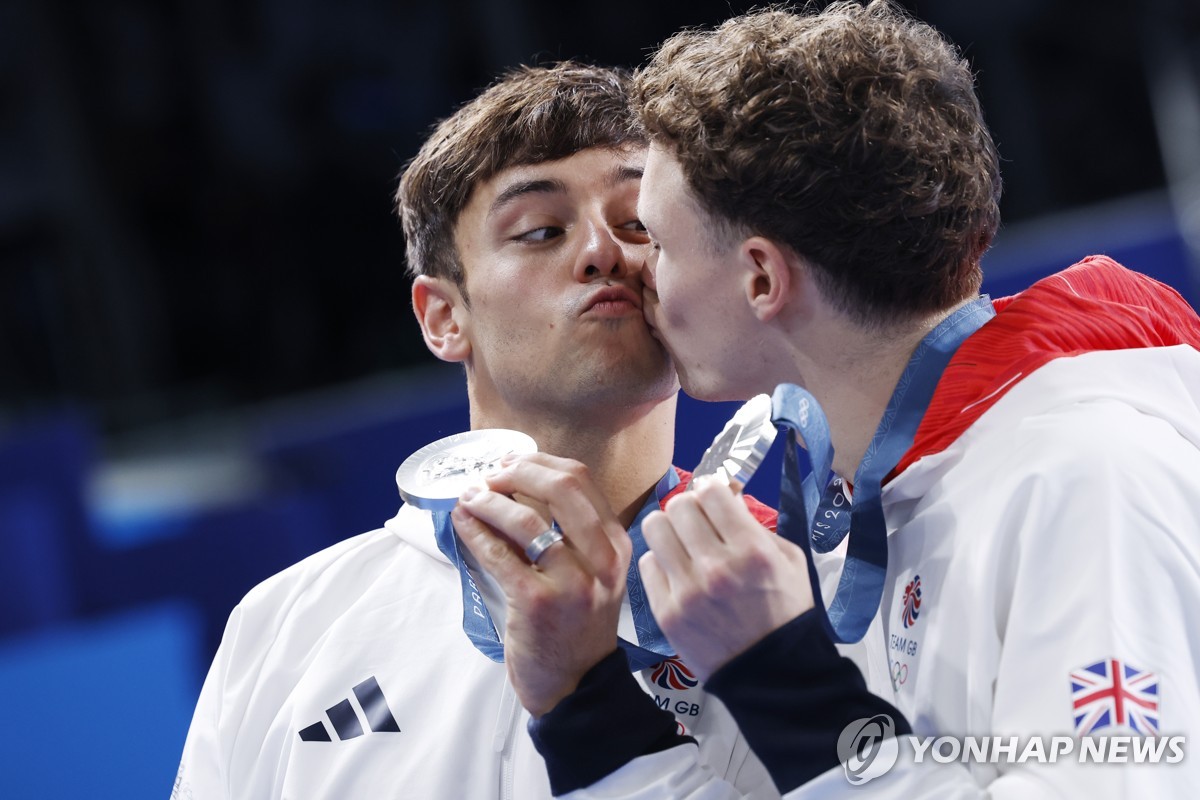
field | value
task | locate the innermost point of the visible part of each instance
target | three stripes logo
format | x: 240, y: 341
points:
x: 345, y: 720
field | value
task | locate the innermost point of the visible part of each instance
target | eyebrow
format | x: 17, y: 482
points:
x: 551, y: 186
x: 622, y: 174
x: 522, y: 188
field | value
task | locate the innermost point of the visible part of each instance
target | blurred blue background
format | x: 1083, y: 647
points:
x: 208, y: 366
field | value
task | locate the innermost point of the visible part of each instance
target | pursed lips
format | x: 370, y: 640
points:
x: 613, y: 301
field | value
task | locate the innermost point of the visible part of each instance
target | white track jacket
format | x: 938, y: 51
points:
x: 1043, y: 575
x: 349, y: 676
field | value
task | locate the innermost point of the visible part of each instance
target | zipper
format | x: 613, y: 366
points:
x: 503, y: 741
x: 879, y: 662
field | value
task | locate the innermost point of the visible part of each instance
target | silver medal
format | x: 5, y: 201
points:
x: 736, y: 453
x: 433, y: 477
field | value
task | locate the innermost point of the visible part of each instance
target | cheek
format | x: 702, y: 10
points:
x: 674, y: 293
x: 638, y: 254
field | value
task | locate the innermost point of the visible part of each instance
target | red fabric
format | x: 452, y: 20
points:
x: 766, y: 516
x: 1094, y: 305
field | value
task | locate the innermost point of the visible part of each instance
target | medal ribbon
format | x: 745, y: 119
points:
x: 796, y: 412
x: 651, y: 647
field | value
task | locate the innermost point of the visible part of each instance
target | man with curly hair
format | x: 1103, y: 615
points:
x: 1010, y: 547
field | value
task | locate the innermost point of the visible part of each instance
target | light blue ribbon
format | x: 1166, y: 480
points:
x: 795, y: 411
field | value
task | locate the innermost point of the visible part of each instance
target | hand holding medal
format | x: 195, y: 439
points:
x: 563, y: 575
x: 717, y: 580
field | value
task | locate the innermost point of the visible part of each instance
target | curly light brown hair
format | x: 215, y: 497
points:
x: 529, y: 115
x: 853, y: 136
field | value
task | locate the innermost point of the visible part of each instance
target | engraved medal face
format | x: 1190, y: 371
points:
x: 736, y: 453
x: 433, y: 477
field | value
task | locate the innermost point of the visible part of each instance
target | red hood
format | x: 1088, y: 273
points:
x: 1094, y: 305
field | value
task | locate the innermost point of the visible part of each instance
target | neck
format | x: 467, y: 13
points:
x: 853, y: 373
x: 626, y: 451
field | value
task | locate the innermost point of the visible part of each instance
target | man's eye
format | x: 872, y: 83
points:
x: 633, y: 225
x: 543, y: 234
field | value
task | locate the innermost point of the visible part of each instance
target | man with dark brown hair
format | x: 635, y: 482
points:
x: 374, y: 668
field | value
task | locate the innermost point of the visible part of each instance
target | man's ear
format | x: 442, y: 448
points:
x: 769, y: 276
x: 439, y: 307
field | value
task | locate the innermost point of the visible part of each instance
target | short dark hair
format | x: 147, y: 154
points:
x: 529, y: 115
x: 852, y: 135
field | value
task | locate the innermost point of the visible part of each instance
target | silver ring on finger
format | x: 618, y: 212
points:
x: 541, y: 543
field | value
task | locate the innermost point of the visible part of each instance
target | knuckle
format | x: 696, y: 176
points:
x: 670, y: 619
x: 681, y: 503
x: 529, y: 521
x: 579, y: 470
x: 537, y: 457
x: 623, y: 548
x: 539, y: 597
x: 490, y: 549
x: 759, y: 560
x: 715, y: 578
x: 566, y: 482
x: 546, y: 600
x: 706, y: 488
x: 611, y: 577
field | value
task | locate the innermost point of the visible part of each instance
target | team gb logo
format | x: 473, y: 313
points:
x: 911, y: 607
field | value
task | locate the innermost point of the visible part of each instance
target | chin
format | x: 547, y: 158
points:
x: 661, y: 385
x: 637, y: 377
x: 711, y: 389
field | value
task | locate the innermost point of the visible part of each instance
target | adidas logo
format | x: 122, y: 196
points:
x: 373, y: 707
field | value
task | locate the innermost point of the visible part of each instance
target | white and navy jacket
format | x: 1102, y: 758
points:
x: 348, y: 675
x: 1048, y: 514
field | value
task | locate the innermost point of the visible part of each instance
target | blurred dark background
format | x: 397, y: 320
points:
x: 208, y: 365
x: 195, y: 197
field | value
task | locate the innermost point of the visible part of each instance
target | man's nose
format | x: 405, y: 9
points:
x: 601, y: 255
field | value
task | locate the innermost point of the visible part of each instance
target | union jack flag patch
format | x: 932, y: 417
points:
x: 1114, y: 693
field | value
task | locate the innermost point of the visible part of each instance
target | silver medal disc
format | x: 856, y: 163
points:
x: 433, y: 477
x: 736, y: 453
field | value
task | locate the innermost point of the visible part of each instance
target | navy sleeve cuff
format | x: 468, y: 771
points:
x: 605, y: 723
x: 792, y: 694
